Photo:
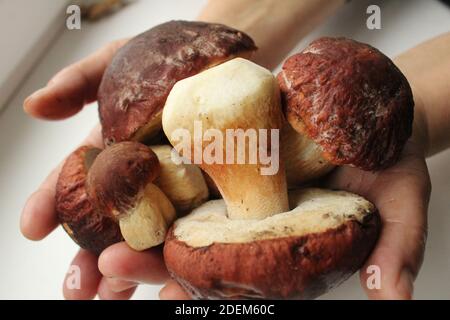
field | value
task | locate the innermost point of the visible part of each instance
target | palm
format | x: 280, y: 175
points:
x: 401, y: 194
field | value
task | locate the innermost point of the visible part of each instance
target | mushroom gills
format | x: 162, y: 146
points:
x: 314, y: 211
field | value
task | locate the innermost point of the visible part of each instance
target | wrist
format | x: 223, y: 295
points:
x: 420, y: 134
x: 275, y: 28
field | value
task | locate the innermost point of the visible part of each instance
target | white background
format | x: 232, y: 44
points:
x: 29, y: 148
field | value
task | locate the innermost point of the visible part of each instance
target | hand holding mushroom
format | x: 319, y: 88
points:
x: 260, y: 241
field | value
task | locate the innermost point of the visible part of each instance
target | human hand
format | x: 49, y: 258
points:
x: 401, y: 194
x: 118, y: 270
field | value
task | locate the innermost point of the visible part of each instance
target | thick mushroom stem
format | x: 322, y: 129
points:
x: 227, y: 120
x: 302, y: 157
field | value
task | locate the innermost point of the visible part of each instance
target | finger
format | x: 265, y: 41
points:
x: 72, y: 87
x: 83, y: 278
x: 105, y: 293
x: 122, y: 262
x: 402, y: 200
x: 38, y: 217
x: 119, y: 285
x: 173, y: 291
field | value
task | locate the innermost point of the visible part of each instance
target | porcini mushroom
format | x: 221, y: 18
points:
x: 350, y: 100
x: 253, y: 244
x: 78, y: 216
x: 135, y: 85
x: 102, y: 196
x: 234, y: 95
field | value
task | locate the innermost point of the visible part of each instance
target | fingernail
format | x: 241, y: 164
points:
x: 405, y: 284
x: 31, y: 97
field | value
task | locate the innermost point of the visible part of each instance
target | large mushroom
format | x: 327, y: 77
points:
x: 253, y: 244
x: 350, y: 104
x: 135, y: 85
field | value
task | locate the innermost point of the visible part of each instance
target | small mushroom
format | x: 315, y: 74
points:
x: 102, y: 196
x: 82, y: 221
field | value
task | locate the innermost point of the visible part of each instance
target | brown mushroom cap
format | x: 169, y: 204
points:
x: 119, y: 183
x: 135, y: 85
x: 350, y: 99
x: 78, y: 215
x: 297, y: 254
x: 118, y: 174
x: 103, y: 197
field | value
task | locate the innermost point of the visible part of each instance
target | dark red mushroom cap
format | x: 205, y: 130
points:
x: 213, y: 257
x: 79, y: 217
x: 350, y: 99
x: 136, y: 84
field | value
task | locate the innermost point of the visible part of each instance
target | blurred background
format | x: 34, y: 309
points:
x: 36, y: 43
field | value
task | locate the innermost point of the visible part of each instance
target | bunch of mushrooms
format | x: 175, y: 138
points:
x: 338, y: 102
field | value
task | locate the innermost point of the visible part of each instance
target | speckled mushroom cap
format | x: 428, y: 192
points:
x: 135, y: 85
x: 350, y: 99
x: 298, y: 254
x: 78, y: 215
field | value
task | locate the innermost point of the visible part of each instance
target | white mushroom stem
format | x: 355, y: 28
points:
x: 183, y: 184
x: 237, y: 94
x: 145, y: 224
x: 302, y: 157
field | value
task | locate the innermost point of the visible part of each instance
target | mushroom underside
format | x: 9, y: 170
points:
x: 301, y: 253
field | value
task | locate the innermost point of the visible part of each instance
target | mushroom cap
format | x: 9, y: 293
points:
x: 119, y: 174
x: 296, y: 254
x: 135, y: 85
x: 79, y: 217
x: 350, y: 99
